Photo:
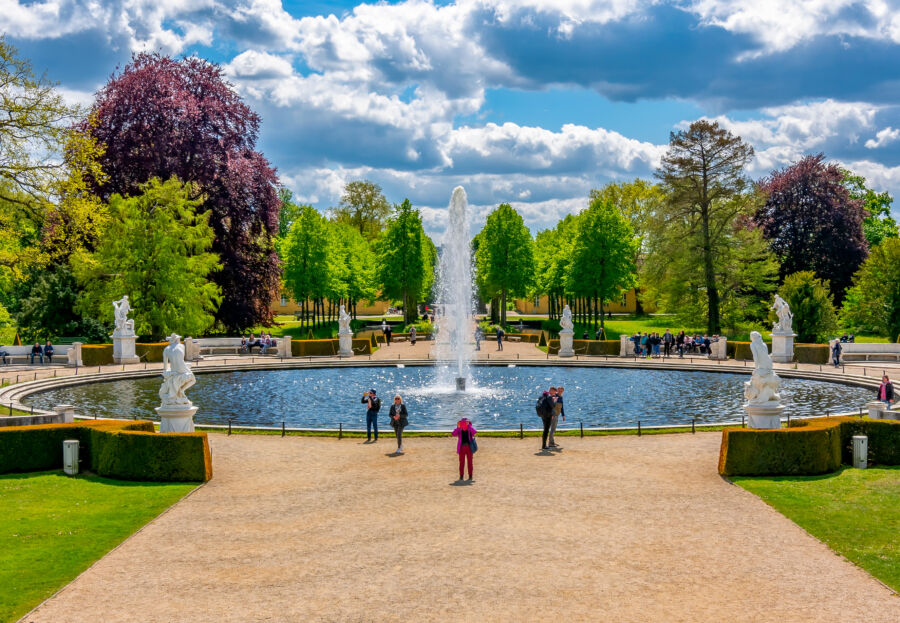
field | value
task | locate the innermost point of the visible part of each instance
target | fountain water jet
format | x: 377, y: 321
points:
x: 455, y: 325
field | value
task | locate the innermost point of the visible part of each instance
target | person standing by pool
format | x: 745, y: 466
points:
x: 399, y: 420
x: 554, y: 419
x: 373, y: 407
x: 886, y: 391
x: 387, y: 333
x: 412, y: 335
x: 500, y: 334
x: 544, y: 408
x: 465, y: 444
x: 836, y: 353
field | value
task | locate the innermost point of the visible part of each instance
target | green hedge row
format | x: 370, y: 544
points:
x: 610, y: 348
x: 328, y: 348
x: 815, y: 446
x: 102, y: 354
x: 803, y: 353
x: 117, y: 449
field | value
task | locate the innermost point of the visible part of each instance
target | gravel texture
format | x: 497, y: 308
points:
x: 607, y: 529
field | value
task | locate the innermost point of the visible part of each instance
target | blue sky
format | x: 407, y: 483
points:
x: 530, y: 102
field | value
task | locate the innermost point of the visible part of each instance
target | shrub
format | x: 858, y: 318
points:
x: 361, y: 346
x: 96, y: 354
x: 117, y: 449
x: 543, y: 340
x: 314, y: 348
x: 812, y: 353
x: 739, y: 350
x: 815, y: 446
x: 150, y: 352
x: 810, y: 300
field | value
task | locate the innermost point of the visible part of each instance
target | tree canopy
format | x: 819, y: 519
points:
x: 162, y: 117
x: 703, y: 174
x: 878, y: 224
x: 812, y: 223
x: 810, y: 300
x: 155, y: 249
x: 405, y: 260
x: 364, y: 207
x: 505, y: 258
x: 872, y: 304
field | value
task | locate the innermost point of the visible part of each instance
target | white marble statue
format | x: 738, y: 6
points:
x: 762, y: 388
x: 785, y: 317
x: 124, y: 324
x: 177, y: 375
x: 343, y: 321
x: 566, y: 321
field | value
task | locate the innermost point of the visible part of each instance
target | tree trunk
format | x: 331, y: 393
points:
x: 712, y: 292
x: 503, y: 308
x: 602, y: 327
x: 638, y: 308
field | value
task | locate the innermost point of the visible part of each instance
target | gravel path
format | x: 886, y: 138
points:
x: 609, y: 529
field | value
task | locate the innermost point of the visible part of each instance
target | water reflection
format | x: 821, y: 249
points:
x: 498, y: 398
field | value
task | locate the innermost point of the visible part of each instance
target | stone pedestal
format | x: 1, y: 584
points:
x: 566, y: 340
x: 766, y: 415
x: 67, y: 412
x: 176, y: 419
x: 191, y: 349
x: 346, y: 344
x: 626, y: 346
x: 783, y: 347
x: 719, y: 350
x: 73, y: 356
x: 284, y: 348
x: 123, y: 349
x: 875, y: 407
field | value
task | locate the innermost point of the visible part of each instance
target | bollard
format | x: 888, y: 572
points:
x: 639, y: 428
x: 282, y: 428
x: 340, y: 430
x: 521, y: 431
x: 229, y: 426
x: 742, y: 421
x: 581, y: 426
x: 32, y: 409
x: 693, y: 428
x: 54, y: 374
x: 10, y: 408
x: 828, y: 414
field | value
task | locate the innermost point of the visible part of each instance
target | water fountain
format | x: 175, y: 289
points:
x: 455, y: 301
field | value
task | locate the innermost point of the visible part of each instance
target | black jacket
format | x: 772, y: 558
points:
x: 376, y: 405
x: 404, y: 416
x: 888, y: 392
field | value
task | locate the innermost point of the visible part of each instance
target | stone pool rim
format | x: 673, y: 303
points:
x: 16, y: 393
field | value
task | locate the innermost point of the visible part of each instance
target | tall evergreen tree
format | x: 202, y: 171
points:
x: 703, y: 173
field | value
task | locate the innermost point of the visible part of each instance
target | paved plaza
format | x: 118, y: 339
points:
x: 609, y: 529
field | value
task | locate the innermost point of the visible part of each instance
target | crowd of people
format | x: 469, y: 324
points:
x: 37, y: 351
x: 652, y: 344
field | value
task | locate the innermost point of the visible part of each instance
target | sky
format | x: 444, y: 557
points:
x: 528, y: 102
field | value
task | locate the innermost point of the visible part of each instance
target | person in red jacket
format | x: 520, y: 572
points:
x: 465, y: 444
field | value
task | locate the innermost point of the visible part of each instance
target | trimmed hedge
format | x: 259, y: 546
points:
x: 610, y: 348
x: 803, y: 353
x: 808, y: 447
x: 117, y: 449
x: 328, y: 348
x: 96, y: 354
x: 151, y: 351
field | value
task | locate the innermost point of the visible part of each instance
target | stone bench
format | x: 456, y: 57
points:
x: 862, y: 351
x: 235, y: 350
x: 232, y: 346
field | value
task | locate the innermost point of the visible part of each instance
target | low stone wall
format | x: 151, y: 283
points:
x: 32, y: 420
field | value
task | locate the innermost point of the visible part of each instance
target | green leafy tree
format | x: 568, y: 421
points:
x: 288, y: 213
x: 810, y: 300
x: 364, y: 207
x: 879, y: 224
x: 603, y: 257
x: 872, y: 304
x: 638, y: 201
x: 352, y: 266
x: 48, y: 310
x: 703, y: 174
x: 403, y: 260
x: 306, y: 262
x: 155, y: 249
x: 35, y: 125
x: 505, y: 258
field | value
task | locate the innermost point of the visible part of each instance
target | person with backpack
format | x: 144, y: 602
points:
x: 886, y: 391
x: 836, y: 353
x: 500, y: 334
x: 544, y: 408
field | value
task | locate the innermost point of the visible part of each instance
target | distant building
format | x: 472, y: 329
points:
x: 541, y: 305
x: 286, y: 306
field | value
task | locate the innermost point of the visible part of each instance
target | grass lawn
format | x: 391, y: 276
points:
x: 854, y: 511
x: 53, y: 527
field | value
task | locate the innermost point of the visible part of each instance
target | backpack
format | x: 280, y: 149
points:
x: 542, y: 408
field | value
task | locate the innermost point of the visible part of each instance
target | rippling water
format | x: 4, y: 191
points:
x: 499, y: 398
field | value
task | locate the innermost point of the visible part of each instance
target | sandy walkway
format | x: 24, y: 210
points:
x: 612, y: 529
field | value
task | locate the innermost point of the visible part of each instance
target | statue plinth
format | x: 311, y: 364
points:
x: 783, y: 346
x: 123, y: 348
x: 875, y: 407
x: 566, y: 337
x: 345, y: 340
x: 626, y: 346
x: 764, y: 415
x: 176, y: 418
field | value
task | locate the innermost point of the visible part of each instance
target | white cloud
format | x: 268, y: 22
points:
x: 883, y: 137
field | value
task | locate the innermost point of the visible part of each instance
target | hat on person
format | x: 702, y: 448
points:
x: 371, y: 391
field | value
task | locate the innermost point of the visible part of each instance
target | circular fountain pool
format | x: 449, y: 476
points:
x: 498, y: 397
